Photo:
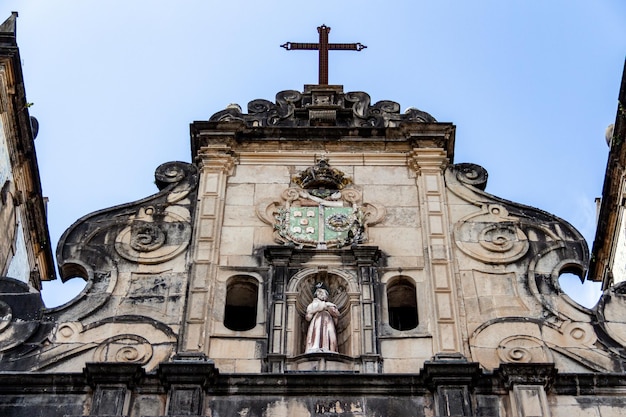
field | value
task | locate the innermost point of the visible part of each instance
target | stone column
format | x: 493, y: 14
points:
x: 429, y: 165
x: 527, y: 384
x: 215, y: 165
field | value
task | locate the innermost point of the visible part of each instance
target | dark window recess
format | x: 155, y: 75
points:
x: 402, y: 302
x: 241, y: 305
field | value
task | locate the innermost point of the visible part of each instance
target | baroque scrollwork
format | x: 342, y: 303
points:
x: 116, y: 251
x: 146, y: 237
x: 491, y: 236
x: 128, y: 348
x: 531, y: 340
x: 152, y: 230
x: 523, y: 349
x: 471, y: 174
x: 325, y: 105
x: 153, y: 239
x: 534, y: 248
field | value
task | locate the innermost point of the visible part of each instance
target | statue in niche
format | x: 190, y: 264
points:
x: 322, y: 315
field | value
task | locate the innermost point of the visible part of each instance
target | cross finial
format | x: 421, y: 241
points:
x: 323, y: 46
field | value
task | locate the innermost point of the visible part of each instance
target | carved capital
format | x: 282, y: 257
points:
x: 428, y: 160
x: 216, y: 159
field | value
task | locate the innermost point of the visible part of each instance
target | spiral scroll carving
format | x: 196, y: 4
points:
x: 170, y: 172
x: 499, y: 237
x: 361, y: 102
x: 146, y: 237
x: 260, y: 106
x: 351, y: 195
x: 472, y: 174
x: 291, y: 194
x: 154, y: 240
x: 285, y: 101
x: 127, y: 348
x: 491, y: 236
x: 385, y: 106
x: 522, y: 349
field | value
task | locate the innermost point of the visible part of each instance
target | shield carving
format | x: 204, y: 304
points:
x: 322, y: 226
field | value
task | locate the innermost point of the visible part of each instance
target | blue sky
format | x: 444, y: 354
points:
x: 530, y: 85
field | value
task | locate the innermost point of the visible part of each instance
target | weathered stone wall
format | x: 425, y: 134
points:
x: 183, y: 387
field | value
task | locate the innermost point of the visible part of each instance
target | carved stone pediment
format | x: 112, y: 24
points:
x: 322, y: 105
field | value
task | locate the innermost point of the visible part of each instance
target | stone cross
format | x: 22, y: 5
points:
x: 323, y: 46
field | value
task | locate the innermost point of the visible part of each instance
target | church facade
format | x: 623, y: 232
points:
x: 322, y: 255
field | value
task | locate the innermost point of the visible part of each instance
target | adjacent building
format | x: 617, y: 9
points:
x: 608, y: 261
x: 25, y: 250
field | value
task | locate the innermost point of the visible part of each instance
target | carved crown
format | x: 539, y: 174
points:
x: 321, y: 175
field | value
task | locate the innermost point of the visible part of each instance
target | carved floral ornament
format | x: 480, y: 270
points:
x: 320, y: 209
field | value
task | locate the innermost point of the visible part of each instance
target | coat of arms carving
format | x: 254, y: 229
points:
x: 321, y: 209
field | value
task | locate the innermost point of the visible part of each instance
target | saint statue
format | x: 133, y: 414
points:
x: 321, y: 336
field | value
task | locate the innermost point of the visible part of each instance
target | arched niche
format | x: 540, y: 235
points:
x: 343, y: 292
x: 402, y: 303
x: 241, y: 304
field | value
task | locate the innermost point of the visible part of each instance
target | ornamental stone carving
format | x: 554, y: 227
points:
x: 322, y: 105
x: 491, y: 236
x: 515, y: 256
x: 131, y: 257
x: 318, y: 211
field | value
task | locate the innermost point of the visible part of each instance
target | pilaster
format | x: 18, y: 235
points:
x: 216, y: 164
x: 429, y: 165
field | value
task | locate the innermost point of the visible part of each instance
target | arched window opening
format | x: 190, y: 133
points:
x: 241, y: 305
x: 402, y: 305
